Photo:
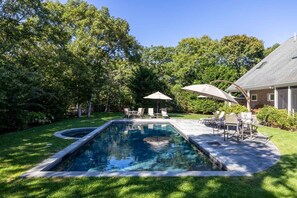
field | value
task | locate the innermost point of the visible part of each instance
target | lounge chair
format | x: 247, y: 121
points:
x: 210, y: 120
x: 140, y: 112
x: 164, y: 113
x: 151, y: 112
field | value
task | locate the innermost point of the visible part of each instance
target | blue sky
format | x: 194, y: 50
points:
x: 166, y: 22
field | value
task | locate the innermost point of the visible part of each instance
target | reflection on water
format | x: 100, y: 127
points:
x: 137, y: 147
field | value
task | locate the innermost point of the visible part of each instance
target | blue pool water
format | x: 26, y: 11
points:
x: 137, y: 147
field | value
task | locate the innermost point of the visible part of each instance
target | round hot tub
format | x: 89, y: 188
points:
x: 74, y: 133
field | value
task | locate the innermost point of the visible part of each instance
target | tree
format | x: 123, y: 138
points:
x: 143, y: 83
x: 241, y: 52
x: 191, y: 57
x: 268, y: 50
x: 98, y: 43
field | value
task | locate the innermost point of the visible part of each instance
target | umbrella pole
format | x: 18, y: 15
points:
x: 157, y: 107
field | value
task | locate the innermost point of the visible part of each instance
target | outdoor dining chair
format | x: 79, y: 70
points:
x: 218, y: 122
x: 127, y: 112
x: 247, y: 122
x: 231, y: 121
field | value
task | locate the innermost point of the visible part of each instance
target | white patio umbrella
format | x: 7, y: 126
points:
x: 157, y: 96
x: 211, y: 91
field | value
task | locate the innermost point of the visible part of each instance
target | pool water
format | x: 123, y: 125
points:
x: 137, y: 147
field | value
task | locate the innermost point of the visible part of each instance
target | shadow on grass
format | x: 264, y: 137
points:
x: 278, y: 181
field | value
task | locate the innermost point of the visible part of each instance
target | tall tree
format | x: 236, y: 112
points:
x: 192, y: 56
x: 241, y: 52
x: 19, y: 76
x: 98, y: 42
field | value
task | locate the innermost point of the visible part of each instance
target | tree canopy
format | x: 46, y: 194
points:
x: 56, y: 57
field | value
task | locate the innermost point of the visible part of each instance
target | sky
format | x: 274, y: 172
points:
x: 166, y: 22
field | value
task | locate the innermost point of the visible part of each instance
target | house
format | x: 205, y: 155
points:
x: 273, y: 81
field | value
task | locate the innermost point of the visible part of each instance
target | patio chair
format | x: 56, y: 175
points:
x: 247, y: 122
x: 219, y: 121
x: 140, y: 112
x: 164, y: 113
x: 127, y: 112
x: 231, y: 120
x: 151, y: 112
x: 210, y: 120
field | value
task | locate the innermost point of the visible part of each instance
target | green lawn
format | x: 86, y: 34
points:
x: 20, y: 151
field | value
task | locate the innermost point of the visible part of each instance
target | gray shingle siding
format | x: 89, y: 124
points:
x: 279, y: 69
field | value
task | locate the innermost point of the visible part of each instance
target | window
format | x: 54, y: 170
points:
x: 270, y: 97
x: 254, y: 97
x: 294, y: 98
x: 282, y: 98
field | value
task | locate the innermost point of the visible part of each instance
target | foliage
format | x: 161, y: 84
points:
x: 241, y: 51
x: 150, y: 83
x: 19, y: 76
x: 21, y: 151
x: 192, y: 57
x: 54, y: 56
x: 37, y: 118
x: 220, y: 72
x: 277, y: 118
x: 271, y: 49
x: 234, y: 108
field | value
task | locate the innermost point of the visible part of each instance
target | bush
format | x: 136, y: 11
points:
x: 264, y: 113
x: 274, y: 117
x: 37, y: 118
x: 237, y: 108
x: 204, y: 106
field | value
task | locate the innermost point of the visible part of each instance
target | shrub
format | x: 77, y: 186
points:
x: 37, y: 118
x: 237, y: 108
x: 274, y: 117
x: 264, y: 113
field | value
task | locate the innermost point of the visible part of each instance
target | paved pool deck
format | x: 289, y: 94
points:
x: 243, y: 158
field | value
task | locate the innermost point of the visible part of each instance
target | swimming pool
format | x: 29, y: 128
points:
x: 126, y: 146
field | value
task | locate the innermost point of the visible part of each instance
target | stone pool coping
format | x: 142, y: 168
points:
x: 237, y: 158
x: 63, y: 136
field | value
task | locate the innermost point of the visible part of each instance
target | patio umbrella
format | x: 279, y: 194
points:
x: 210, y: 91
x: 157, y: 96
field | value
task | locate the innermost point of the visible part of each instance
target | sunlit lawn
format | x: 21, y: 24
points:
x: 20, y: 151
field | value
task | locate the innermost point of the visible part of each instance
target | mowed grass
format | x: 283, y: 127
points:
x: 20, y: 151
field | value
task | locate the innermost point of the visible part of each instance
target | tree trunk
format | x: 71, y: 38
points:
x: 79, y: 110
x: 90, y: 107
x: 107, y: 104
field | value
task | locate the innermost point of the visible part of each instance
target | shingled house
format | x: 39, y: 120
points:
x: 273, y: 81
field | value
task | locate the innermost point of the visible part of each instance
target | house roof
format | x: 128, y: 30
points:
x: 279, y: 68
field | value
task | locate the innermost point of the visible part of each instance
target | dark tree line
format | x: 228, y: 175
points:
x: 54, y: 57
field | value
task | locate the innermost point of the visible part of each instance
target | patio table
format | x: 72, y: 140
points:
x: 158, y: 114
x: 133, y: 113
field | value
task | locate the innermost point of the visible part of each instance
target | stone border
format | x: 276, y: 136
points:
x: 237, y: 158
x: 60, y: 134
